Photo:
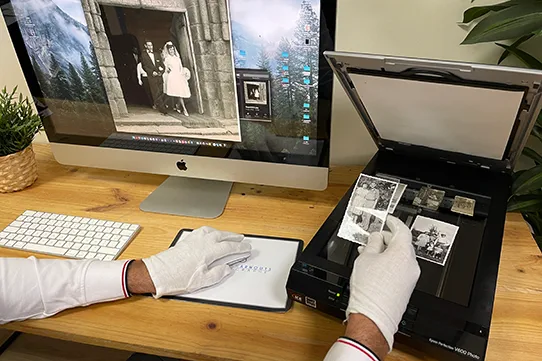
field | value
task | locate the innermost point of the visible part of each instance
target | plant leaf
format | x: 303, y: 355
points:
x: 531, y: 153
x: 510, y: 23
x: 528, y: 181
x: 516, y: 43
x: 522, y: 55
x: 479, y: 11
x: 525, y: 203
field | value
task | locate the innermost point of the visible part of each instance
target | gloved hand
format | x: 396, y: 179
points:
x: 185, y: 268
x: 384, y: 277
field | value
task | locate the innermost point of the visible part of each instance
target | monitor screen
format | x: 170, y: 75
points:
x: 459, y: 118
x: 238, y: 78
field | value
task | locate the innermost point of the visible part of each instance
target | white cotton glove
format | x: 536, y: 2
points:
x: 384, y: 276
x: 188, y: 266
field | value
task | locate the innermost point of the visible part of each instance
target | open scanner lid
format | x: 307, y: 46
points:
x: 466, y: 113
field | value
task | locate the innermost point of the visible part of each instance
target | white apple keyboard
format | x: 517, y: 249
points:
x: 68, y: 236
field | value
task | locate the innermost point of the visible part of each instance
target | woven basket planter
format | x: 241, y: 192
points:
x: 18, y: 171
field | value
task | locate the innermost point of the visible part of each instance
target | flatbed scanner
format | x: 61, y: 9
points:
x: 455, y: 127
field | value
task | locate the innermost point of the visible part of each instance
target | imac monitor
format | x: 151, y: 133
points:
x: 207, y: 92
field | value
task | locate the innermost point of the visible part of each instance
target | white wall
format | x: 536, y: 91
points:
x: 421, y: 28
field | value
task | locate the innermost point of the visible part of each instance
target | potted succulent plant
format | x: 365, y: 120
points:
x: 19, y: 124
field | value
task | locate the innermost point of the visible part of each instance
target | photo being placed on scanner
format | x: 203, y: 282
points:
x: 433, y: 239
x: 464, y: 119
x: 367, y: 208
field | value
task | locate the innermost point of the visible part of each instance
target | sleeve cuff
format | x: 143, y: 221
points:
x: 106, y: 281
x: 346, y: 349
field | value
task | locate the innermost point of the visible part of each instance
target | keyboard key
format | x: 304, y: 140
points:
x: 19, y: 237
x: 27, y: 239
x: 23, y: 218
x: 84, y: 227
x: 43, y: 241
x: 91, y: 234
x: 46, y: 234
x: 19, y: 245
x: 107, y: 237
x: 28, y: 231
x: 46, y: 215
x: 100, y: 256
x: 82, y: 233
x: 117, y: 225
x: 68, y: 244
x: 85, y: 220
x: 109, y: 224
x: 51, y: 242
x: 29, y: 213
x: 33, y: 226
x: 54, y: 216
x: 10, y: 243
x: 91, y: 255
x: 93, y: 221
x: 133, y: 227
x: 100, y: 229
x: 108, y: 258
x: 72, y: 253
x: 54, y: 235
x: 107, y: 250
x: 16, y: 224
x: 77, y: 219
x: 85, y: 247
x: 81, y: 254
x: 116, y: 231
x: 70, y: 238
x: 61, y: 217
x: 77, y: 246
x: 45, y: 249
x: 99, y: 235
x: 87, y: 240
x: 35, y: 240
x: 78, y: 239
x: 10, y: 229
x: 11, y: 235
x: 100, y: 223
x: 125, y: 226
x: 25, y: 225
x: 49, y: 228
x: 92, y: 228
x: 60, y: 244
x: 21, y: 230
x: 115, y: 238
x: 59, y: 223
x: 113, y: 244
x: 69, y: 218
x: 57, y: 229
x: 95, y: 242
x: 51, y: 222
x: 62, y: 237
x: 42, y: 222
x: 3, y: 234
x: 73, y: 232
x: 37, y: 233
x: 3, y: 241
x: 108, y: 230
x: 104, y: 243
x: 94, y: 248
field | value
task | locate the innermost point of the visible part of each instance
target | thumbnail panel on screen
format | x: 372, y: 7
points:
x: 144, y: 70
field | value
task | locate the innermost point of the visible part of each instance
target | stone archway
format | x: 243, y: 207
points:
x: 207, y: 25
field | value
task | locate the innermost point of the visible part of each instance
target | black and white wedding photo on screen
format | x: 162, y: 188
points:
x: 161, y: 68
x: 433, y: 239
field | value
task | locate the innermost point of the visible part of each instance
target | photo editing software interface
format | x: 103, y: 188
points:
x: 239, y: 74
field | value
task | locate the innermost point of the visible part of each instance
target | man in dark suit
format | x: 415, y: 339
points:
x: 152, y: 65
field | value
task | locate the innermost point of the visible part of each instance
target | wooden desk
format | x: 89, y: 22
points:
x: 199, y: 332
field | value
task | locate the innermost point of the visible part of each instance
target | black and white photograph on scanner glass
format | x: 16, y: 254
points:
x: 463, y: 205
x: 368, y: 208
x: 401, y: 188
x: 152, y: 70
x: 429, y: 198
x: 432, y: 239
x: 255, y: 92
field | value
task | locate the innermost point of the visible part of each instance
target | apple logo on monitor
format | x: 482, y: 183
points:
x: 182, y: 165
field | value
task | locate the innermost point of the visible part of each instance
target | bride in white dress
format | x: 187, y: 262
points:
x: 175, y: 80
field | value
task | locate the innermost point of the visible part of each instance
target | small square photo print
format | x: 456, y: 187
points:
x: 433, y: 239
x: 463, y: 205
x: 429, y: 198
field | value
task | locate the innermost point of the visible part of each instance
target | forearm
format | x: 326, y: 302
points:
x: 139, y: 280
x: 363, y: 341
x: 32, y: 288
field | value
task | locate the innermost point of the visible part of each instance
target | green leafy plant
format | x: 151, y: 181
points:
x: 516, y: 21
x: 18, y: 123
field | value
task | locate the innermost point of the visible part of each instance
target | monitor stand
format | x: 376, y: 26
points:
x: 189, y: 197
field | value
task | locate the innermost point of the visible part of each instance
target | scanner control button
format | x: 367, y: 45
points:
x: 406, y: 325
x: 310, y: 302
x: 411, y: 313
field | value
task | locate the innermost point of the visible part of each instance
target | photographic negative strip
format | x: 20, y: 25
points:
x: 401, y: 188
x: 429, y: 198
x: 463, y: 205
x: 255, y: 92
x: 367, y: 209
x: 433, y: 239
